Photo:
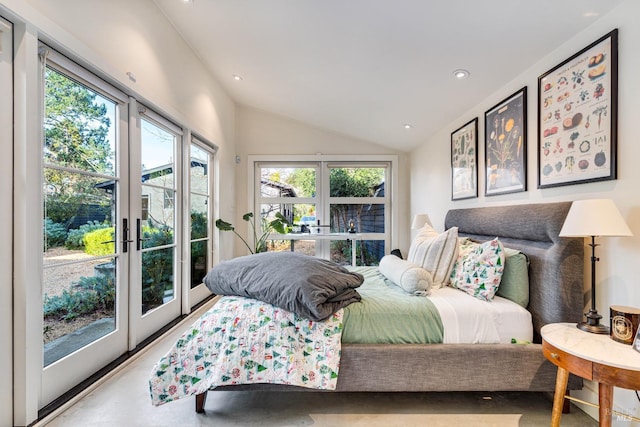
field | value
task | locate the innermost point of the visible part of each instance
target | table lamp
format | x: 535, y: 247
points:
x: 419, y: 220
x: 591, y: 218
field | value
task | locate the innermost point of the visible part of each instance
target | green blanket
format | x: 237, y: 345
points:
x: 388, y: 315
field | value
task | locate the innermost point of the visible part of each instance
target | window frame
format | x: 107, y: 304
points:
x: 323, y: 199
x: 200, y: 292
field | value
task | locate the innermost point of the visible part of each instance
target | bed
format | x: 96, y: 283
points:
x: 555, y: 295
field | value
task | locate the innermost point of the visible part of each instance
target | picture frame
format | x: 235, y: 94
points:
x: 578, y: 115
x: 464, y: 161
x: 505, y: 136
x: 636, y: 341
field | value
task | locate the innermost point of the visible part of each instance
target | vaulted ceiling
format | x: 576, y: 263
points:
x: 367, y: 68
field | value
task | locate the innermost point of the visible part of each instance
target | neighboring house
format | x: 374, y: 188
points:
x: 271, y: 188
x: 158, y: 196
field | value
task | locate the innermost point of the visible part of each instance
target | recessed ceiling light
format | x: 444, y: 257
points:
x: 461, y: 74
x: 408, y: 126
x: 237, y: 77
x: 590, y: 14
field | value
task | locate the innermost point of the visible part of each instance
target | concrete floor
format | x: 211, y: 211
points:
x: 123, y: 400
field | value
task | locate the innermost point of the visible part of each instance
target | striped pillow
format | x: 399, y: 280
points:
x: 436, y: 253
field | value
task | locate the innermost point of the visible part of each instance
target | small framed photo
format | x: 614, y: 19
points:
x: 505, y: 138
x: 577, y: 117
x: 464, y: 161
x: 636, y: 341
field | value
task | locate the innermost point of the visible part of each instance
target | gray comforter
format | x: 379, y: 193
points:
x: 308, y: 286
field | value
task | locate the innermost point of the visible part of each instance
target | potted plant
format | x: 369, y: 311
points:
x: 279, y: 224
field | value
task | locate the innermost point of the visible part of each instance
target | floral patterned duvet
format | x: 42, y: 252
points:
x: 244, y: 341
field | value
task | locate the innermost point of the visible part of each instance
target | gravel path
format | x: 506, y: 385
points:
x: 58, y: 278
x: 62, y: 271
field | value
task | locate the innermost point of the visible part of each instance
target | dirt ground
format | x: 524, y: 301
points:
x: 63, y: 268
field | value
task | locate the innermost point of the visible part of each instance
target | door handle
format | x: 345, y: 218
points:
x: 139, y: 238
x: 125, y: 235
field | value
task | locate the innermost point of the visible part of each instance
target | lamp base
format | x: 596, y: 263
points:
x: 594, y: 329
x: 593, y: 323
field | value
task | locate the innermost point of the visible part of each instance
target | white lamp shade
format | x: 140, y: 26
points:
x: 419, y: 220
x: 596, y: 217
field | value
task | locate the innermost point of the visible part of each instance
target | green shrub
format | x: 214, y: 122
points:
x: 55, y: 234
x: 95, y: 242
x: 199, y: 225
x: 88, y: 296
x: 75, y: 238
x: 157, y: 266
x: 103, y: 288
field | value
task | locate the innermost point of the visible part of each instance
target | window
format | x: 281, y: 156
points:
x: 357, y: 201
x: 200, y: 184
x: 79, y: 181
x: 329, y: 197
x: 144, y: 215
x: 292, y: 190
x: 168, y: 199
x: 160, y: 180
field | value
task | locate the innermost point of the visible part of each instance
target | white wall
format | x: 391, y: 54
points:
x: 259, y: 132
x: 113, y: 38
x: 617, y: 283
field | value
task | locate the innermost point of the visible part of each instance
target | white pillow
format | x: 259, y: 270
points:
x: 410, y: 277
x: 435, y: 252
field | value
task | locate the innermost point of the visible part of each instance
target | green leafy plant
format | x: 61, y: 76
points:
x: 88, y: 295
x: 157, y: 266
x: 55, y: 234
x: 100, y: 242
x: 279, y: 224
x: 75, y: 238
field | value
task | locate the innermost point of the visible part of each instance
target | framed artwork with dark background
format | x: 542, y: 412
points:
x: 464, y: 161
x: 505, y: 136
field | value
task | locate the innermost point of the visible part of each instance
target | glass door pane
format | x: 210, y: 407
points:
x: 80, y: 204
x: 158, y: 151
x: 358, y: 202
x: 200, y: 204
x: 85, y: 293
x: 292, y: 191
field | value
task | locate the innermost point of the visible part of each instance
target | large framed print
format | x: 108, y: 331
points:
x: 577, y: 117
x: 505, y: 135
x: 464, y: 161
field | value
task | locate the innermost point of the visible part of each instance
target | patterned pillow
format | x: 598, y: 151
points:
x: 479, y: 268
x: 435, y: 252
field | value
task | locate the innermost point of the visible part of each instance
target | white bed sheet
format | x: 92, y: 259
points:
x: 493, y: 322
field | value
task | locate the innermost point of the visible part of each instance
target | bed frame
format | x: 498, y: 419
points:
x: 556, y: 295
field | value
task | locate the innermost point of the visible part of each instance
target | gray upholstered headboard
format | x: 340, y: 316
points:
x: 556, y: 269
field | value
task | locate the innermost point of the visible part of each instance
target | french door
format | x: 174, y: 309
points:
x: 111, y: 204
x: 155, y: 215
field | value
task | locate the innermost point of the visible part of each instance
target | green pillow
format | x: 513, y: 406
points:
x: 514, y: 284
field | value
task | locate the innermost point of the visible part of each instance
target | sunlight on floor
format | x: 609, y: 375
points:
x: 411, y: 420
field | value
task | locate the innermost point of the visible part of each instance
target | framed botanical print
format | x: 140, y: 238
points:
x: 464, y: 161
x: 505, y: 136
x: 577, y: 117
